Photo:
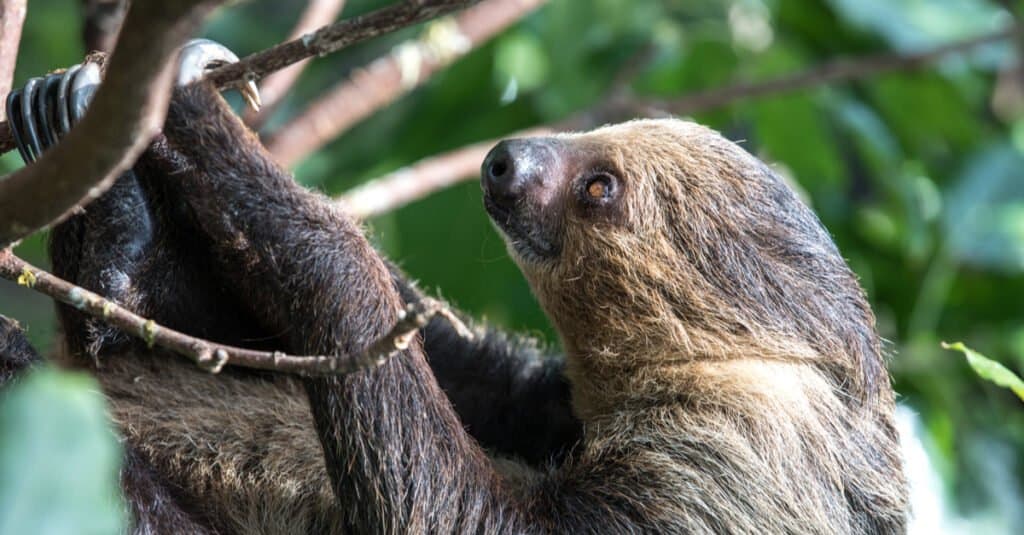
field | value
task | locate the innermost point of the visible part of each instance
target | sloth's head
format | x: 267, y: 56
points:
x: 660, y: 241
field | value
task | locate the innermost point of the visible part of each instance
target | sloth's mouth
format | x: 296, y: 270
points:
x: 526, y: 242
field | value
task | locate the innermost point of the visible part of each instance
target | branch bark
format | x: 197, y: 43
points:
x: 12, y: 18
x: 212, y: 356
x: 386, y: 79
x: 274, y: 87
x: 126, y: 112
x: 333, y: 38
x: 420, y: 179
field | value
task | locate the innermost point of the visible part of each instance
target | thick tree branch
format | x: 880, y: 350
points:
x: 126, y: 112
x: 386, y: 79
x: 102, y: 22
x: 420, y: 179
x: 333, y: 38
x: 212, y: 356
x: 12, y: 17
x: 273, y: 88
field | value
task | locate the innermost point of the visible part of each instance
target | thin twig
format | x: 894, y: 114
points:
x: 273, y: 88
x: 386, y: 79
x: 333, y: 38
x: 12, y: 17
x: 422, y: 178
x: 212, y: 356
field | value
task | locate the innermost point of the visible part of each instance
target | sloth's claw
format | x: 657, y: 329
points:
x: 15, y: 121
x: 200, y: 56
x: 84, y: 84
x: 47, y: 107
x: 45, y: 111
x: 63, y: 108
x: 30, y: 135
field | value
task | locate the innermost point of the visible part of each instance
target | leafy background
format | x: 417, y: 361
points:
x: 918, y: 175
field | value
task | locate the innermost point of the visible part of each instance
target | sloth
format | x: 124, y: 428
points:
x: 722, y: 373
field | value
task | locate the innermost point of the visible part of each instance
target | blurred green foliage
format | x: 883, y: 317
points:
x: 59, y: 457
x: 918, y: 175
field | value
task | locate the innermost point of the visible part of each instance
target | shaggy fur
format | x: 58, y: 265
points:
x: 722, y: 358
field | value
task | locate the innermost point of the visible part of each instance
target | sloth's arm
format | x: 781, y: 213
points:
x: 510, y: 394
x: 397, y: 455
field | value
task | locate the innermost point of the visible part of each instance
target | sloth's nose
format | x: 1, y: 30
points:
x: 516, y: 167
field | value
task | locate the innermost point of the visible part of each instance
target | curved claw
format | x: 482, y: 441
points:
x: 201, y: 55
x: 84, y: 84
x: 63, y: 108
x: 16, y: 124
x: 47, y: 107
x: 44, y: 111
x: 30, y: 136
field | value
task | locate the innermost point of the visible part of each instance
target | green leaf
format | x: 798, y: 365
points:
x: 59, y: 457
x: 989, y: 369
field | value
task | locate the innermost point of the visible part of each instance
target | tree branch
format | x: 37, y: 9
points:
x: 401, y: 187
x: 333, y: 38
x: 274, y: 87
x: 12, y: 17
x: 420, y: 179
x: 386, y: 79
x: 126, y: 112
x: 212, y: 356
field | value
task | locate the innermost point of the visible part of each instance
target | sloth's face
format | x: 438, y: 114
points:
x: 535, y: 189
x: 662, y: 222
x: 574, y: 198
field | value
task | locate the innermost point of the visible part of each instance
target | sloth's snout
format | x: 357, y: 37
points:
x: 519, y: 168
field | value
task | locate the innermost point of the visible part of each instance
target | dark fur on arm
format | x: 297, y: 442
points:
x: 128, y: 246
x: 512, y: 397
x: 395, y: 450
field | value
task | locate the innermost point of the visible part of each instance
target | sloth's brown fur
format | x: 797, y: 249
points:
x: 722, y: 357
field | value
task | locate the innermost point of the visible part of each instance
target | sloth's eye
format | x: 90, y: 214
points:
x: 599, y: 188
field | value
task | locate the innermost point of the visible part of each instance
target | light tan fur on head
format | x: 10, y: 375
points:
x: 709, y: 317
x: 702, y: 261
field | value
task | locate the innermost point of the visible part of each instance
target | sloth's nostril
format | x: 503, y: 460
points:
x: 498, y: 168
